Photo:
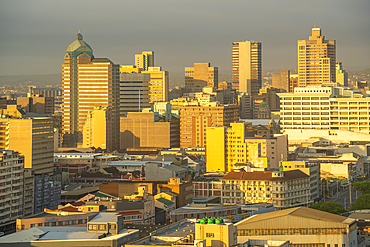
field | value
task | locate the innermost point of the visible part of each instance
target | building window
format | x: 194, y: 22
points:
x: 102, y: 227
x: 47, y: 224
x: 73, y: 222
x: 32, y: 225
x: 53, y: 223
x: 60, y: 223
x: 80, y: 221
x: 210, y: 235
x: 66, y: 223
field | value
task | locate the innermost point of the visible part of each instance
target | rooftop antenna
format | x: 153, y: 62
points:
x: 79, y: 31
x: 314, y: 25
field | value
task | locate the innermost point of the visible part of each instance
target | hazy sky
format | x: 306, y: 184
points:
x: 35, y: 34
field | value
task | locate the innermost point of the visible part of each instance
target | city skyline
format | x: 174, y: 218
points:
x: 33, y: 39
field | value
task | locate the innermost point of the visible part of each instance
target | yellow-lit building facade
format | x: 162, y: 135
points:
x: 341, y: 75
x: 130, y: 69
x: 217, y: 235
x: 201, y: 75
x: 159, y: 84
x: 247, y: 66
x: 33, y: 138
x: 88, y: 82
x: 195, y: 119
x: 144, y: 60
x: 229, y: 146
x: 316, y: 60
x: 323, y: 109
x: 283, y: 189
x: 97, y: 129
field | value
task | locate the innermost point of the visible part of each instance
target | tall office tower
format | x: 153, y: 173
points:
x: 247, y: 66
x: 293, y: 82
x: 316, y: 60
x: 87, y: 82
x: 201, y: 75
x: 282, y: 80
x: 32, y: 137
x: 134, y: 92
x: 159, y: 84
x: 341, y: 75
x: 144, y: 60
x: 195, y: 119
x: 97, y: 131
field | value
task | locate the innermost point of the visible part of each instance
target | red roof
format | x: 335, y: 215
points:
x: 77, y: 204
x: 130, y: 212
x: 264, y: 175
x: 69, y: 209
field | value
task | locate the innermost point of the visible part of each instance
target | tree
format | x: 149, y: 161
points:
x: 362, y: 202
x: 330, y: 207
x: 363, y: 187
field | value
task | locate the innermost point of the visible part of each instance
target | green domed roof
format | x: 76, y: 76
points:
x: 264, y: 104
x: 79, y: 45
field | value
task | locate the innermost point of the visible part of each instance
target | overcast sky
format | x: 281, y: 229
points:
x: 35, y: 34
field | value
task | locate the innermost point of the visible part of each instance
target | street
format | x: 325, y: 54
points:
x: 344, y: 198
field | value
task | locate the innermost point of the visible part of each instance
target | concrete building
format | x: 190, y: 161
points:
x: 302, y: 226
x: 282, y: 80
x: 144, y: 60
x: 316, y: 60
x: 37, y: 104
x: 270, y: 95
x: 341, y: 75
x: 97, y: 130
x: 159, y: 171
x: 33, y: 137
x: 158, y: 84
x: 201, y: 75
x: 140, y: 129
x: 216, y: 235
x: 195, y: 119
x: 87, y: 82
x: 47, y: 193
x: 105, y: 229
x: 282, y: 189
x: 134, y: 92
x: 245, y: 106
x: 325, y: 109
x: 312, y: 169
x: 247, y: 66
x: 228, y: 146
x: 293, y: 82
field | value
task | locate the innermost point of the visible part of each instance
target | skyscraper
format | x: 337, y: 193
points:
x: 144, y: 60
x: 247, y: 66
x: 201, y: 75
x: 88, y: 82
x: 316, y: 60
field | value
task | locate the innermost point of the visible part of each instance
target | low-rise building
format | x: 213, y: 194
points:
x: 302, y: 226
x: 282, y: 189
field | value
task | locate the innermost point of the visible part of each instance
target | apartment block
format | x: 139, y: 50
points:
x: 247, y: 66
x: 227, y: 146
x: 12, y: 186
x: 282, y: 189
x: 47, y: 193
x: 316, y: 60
x: 158, y: 84
x: 134, y: 92
x: 33, y: 138
x: 97, y: 130
x: 325, y: 108
x: 87, y: 82
x: 139, y: 129
x: 37, y: 104
x: 201, y: 75
x: 282, y: 80
x: 195, y: 119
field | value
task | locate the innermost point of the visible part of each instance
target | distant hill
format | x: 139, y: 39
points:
x: 25, y: 80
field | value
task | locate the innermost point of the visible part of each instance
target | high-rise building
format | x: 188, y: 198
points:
x: 87, y: 82
x: 97, y: 131
x: 282, y: 80
x: 144, y: 60
x: 195, y: 119
x: 139, y: 129
x: 201, y: 75
x: 341, y: 75
x: 227, y: 146
x: 134, y: 92
x: 247, y: 66
x: 158, y: 84
x: 32, y: 137
x: 316, y: 60
x: 37, y: 104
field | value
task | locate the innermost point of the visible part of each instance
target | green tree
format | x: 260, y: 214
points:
x: 330, y: 207
x: 363, y: 187
x: 362, y: 202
